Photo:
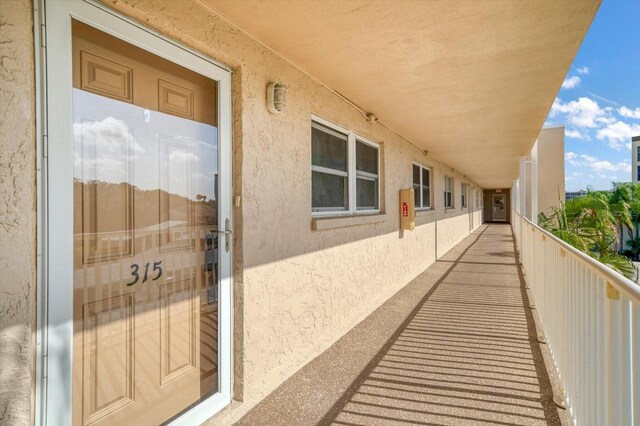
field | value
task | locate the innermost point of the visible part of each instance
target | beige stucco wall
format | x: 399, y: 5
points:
x: 299, y: 290
x: 550, y: 163
x: 17, y: 211
x: 296, y: 290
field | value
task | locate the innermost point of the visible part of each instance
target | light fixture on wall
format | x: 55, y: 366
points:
x: 276, y: 97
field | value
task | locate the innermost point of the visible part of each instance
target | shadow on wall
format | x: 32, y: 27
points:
x: 466, y: 352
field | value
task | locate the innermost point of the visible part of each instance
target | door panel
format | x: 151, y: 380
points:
x: 145, y: 225
x: 177, y: 330
x: 108, y: 341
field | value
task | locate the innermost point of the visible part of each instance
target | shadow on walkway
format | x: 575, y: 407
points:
x: 456, y: 345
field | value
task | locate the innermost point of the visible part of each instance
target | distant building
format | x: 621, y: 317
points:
x: 569, y: 195
x: 635, y: 159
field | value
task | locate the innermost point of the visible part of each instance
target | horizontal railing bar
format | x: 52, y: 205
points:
x: 617, y: 280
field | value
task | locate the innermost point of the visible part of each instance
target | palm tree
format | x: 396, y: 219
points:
x: 634, y: 248
x: 620, y: 199
x: 589, y: 223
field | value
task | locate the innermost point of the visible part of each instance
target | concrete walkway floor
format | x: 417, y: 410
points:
x: 456, y: 346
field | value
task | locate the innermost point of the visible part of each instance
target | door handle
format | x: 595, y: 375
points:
x: 227, y: 232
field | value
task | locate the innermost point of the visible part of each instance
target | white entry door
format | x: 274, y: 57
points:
x: 499, y: 207
x: 139, y: 225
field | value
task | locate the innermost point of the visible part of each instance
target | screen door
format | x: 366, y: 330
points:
x: 146, y: 243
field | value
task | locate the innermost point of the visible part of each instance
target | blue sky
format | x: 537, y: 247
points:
x: 599, y: 102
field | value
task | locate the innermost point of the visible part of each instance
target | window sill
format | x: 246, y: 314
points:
x: 422, y: 212
x: 449, y: 209
x: 333, y: 222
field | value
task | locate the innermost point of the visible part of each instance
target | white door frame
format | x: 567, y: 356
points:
x: 55, y: 319
x: 493, y: 197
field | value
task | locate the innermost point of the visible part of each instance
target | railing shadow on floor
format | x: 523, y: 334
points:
x: 455, y: 359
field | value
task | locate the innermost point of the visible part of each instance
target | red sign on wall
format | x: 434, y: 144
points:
x: 405, y: 209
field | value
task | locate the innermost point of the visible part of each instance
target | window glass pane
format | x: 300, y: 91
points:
x: 366, y: 158
x: 463, y: 194
x: 416, y: 185
x: 328, y: 192
x: 425, y: 178
x: 366, y: 194
x: 426, y: 197
x: 328, y: 149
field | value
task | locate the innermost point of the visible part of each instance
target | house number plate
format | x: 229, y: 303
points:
x: 135, y: 272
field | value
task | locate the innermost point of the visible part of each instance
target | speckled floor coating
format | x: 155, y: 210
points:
x: 456, y: 346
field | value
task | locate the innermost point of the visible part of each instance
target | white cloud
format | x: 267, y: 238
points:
x: 618, y: 135
x: 599, y: 166
x: 571, y: 82
x: 183, y: 156
x: 583, y: 70
x: 594, y: 164
x: 584, y: 112
x: 574, y: 134
x: 629, y: 113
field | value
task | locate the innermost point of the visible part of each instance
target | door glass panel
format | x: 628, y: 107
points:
x: 145, y: 242
x: 499, y: 208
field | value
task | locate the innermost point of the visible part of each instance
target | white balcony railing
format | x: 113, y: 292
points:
x: 590, y: 317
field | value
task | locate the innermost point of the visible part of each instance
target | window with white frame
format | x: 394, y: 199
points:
x: 422, y: 186
x: 366, y: 175
x: 463, y: 195
x: 344, y: 171
x: 448, y: 192
x: 477, y: 198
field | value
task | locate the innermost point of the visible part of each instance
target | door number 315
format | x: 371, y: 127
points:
x: 135, y: 272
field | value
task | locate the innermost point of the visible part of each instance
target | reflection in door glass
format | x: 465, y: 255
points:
x: 145, y: 262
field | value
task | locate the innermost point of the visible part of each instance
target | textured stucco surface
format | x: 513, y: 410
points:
x: 300, y: 290
x: 17, y: 211
x: 480, y: 74
x: 296, y: 290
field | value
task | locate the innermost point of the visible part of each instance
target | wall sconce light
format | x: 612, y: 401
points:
x: 276, y: 97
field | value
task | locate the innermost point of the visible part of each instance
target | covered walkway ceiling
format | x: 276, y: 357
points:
x: 471, y: 82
